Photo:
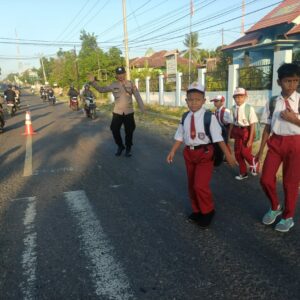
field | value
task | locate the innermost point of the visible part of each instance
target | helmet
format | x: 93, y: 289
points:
x: 86, y: 86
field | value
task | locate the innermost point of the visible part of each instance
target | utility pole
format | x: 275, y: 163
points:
x: 43, y: 68
x: 76, y: 68
x: 126, y: 40
x: 20, y: 65
x: 222, y: 32
x: 190, y: 42
x: 243, y: 18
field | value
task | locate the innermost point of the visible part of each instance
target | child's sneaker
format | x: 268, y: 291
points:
x: 285, y: 225
x: 241, y: 177
x: 270, y: 217
x: 254, y: 168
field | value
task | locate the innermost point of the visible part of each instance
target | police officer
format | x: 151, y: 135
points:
x: 123, y: 113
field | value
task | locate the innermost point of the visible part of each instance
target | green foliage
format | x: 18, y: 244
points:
x: 256, y: 77
x: 26, y: 77
x: 90, y: 59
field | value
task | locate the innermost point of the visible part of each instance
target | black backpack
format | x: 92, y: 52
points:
x: 218, y: 153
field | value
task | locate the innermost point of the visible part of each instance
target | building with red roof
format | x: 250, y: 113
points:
x: 157, y: 60
x: 278, y: 30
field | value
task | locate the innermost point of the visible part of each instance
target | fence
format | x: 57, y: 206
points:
x: 256, y: 77
x: 216, y: 81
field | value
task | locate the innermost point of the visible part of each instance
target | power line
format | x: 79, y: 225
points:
x: 78, y: 23
x: 94, y: 16
x: 121, y: 21
x: 229, y: 20
x: 201, y: 22
x: 214, y: 16
x: 79, y: 12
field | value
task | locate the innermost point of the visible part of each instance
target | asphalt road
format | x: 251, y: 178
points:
x: 84, y: 224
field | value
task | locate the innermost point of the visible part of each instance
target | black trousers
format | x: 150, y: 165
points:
x: 129, y: 126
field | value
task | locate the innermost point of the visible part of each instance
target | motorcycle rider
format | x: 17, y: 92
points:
x: 17, y: 91
x: 50, y: 93
x: 41, y: 90
x: 10, y: 94
x: 72, y: 93
x: 87, y: 93
x: 2, y: 121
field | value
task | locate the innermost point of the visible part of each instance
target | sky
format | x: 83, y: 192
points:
x: 33, y: 28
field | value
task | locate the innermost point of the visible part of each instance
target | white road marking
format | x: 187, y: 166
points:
x: 109, y: 278
x: 54, y: 171
x: 29, y: 257
x: 28, y: 157
x: 115, y: 186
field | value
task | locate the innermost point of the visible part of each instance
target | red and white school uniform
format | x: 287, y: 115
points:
x: 223, y: 115
x: 240, y: 134
x: 198, y: 156
x: 283, y: 147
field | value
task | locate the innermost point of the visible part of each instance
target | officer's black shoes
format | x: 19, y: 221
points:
x: 205, y: 219
x: 194, y: 217
x: 128, y: 152
x: 119, y: 150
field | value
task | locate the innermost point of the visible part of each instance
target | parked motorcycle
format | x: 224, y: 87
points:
x: 2, y: 120
x: 90, y: 107
x: 74, y: 103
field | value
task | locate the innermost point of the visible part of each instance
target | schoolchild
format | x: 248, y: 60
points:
x: 242, y: 130
x: 222, y: 114
x: 198, y: 154
x: 282, y: 136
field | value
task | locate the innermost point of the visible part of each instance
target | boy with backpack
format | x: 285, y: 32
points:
x: 243, y: 132
x: 199, y: 153
x: 222, y: 114
x: 282, y: 135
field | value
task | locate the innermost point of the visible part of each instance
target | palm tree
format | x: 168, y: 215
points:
x: 192, y: 44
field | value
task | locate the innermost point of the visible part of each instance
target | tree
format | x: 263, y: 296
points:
x: 192, y: 44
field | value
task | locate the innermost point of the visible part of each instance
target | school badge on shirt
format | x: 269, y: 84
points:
x: 201, y: 135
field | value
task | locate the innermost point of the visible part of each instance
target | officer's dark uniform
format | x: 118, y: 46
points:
x: 123, y: 110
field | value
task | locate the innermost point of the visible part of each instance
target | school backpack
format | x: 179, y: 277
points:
x: 218, y: 153
x: 257, y: 133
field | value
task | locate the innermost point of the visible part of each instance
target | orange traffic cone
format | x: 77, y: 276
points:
x: 28, y: 125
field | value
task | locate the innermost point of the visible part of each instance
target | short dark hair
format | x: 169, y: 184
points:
x: 287, y: 70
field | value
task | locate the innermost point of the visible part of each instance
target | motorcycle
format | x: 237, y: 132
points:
x: 17, y: 101
x: 74, y: 103
x: 90, y: 107
x: 44, y: 96
x: 52, y: 99
x: 11, y: 107
x: 2, y: 121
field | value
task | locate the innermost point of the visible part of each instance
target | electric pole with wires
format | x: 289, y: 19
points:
x: 126, y: 40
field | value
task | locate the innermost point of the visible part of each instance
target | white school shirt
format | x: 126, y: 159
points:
x: 278, y: 125
x: 227, y: 116
x: 243, y: 121
x: 183, y: 131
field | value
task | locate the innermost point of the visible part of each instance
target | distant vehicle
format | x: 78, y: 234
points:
x: 2, y: 120
x: 90, y: 107
x: 74, y: 103
x: 3, y: 87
